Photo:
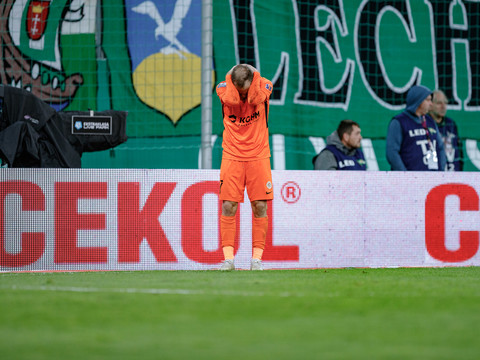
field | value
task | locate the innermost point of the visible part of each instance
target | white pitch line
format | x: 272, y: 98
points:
x: 146, y: 291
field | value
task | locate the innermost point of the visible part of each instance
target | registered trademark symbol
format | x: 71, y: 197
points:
x: 291, y: 192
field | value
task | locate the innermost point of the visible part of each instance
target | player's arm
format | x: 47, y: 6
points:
x: 260, y: 89
x: 227, y: 92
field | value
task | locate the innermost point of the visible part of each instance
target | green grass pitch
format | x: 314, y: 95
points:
x: 426, y: 313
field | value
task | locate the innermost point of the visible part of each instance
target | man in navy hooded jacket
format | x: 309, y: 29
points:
x: 413, y: 140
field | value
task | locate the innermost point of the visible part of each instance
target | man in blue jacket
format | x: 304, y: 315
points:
x: 413, y: 139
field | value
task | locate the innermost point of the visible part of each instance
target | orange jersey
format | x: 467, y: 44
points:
x: 245, y: 134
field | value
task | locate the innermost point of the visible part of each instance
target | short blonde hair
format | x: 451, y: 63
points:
x: 241, y: 75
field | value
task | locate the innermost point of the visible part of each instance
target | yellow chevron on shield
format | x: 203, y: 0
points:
x: 170, y: 83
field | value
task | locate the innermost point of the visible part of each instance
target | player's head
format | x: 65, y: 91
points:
x: 242, y: 78
x: 349, y: 133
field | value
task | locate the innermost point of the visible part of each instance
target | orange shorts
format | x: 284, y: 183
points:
x: 255, y: 175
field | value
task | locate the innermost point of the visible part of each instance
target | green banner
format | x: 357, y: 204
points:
x: 329, y: 60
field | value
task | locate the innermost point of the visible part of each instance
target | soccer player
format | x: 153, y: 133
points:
x: 246, y: 158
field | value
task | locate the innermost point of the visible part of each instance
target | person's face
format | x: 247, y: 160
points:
x: 425, y: 106
x: 354, y: 139
x: 439, y: 105
x: 243, y: 92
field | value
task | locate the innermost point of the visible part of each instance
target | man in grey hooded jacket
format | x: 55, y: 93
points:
x: 343, y: 149
x: 413, y: 140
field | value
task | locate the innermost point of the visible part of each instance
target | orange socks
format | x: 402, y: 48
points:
x: 228, y: 228
x: 259, y: 234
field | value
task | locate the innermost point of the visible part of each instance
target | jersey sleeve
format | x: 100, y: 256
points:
x: 221, y: 88
x: 227, y: 92
x: 260, y: 90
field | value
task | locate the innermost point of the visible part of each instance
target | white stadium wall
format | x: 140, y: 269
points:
x: 54, y: 219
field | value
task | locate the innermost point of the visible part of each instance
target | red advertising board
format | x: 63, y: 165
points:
x: 53, y: 219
